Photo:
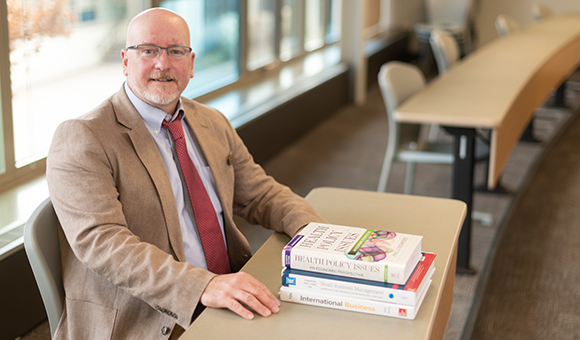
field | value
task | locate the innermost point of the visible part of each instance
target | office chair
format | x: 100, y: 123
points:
x: 504, y: 24
x: 541, y: 11
x: 445, y: 49
x: 452, y: 16
x: 446, y: 52
x: 42, y: 248
x: 397, y: 82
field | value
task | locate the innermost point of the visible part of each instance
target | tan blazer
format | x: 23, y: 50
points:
x: 124, y: 266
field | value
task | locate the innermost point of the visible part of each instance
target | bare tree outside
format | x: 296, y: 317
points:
x: 33, y: 21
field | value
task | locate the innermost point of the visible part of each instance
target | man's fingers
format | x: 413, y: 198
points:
x: 236, y: 291
x: 259, y: 302
x: 260, y: 299
x: 239, y: 309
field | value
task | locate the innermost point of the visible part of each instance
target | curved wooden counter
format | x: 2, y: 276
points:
x: 497, y: 87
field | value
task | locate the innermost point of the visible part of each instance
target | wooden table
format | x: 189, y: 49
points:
x: 497, y: 87
x: 437, y: 220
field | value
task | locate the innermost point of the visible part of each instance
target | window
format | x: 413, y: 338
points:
x: 60, y: 67
x: 4, y: 93
x: 291, y: 22
x: 61, y: 58
x: 214, y: 33
x: 333, y: 31
x: 314, y: 34
x: 261, y: 33
x: 322, y: 23
x: 2, y: 147
x: 298, y: 26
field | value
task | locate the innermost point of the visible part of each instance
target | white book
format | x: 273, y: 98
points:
x: 407, y: 294
x: 377, y: 255
x: 314, y: 298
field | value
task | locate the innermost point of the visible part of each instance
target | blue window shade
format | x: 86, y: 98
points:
x: 88, y: 15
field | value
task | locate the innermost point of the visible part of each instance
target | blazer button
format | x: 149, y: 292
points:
x: 165, y: 330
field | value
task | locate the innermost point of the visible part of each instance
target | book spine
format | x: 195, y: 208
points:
x: 406, y: 270
x: 348, y: 304
x: 349, y: 289
x: 395, y: 294
x: 426, y: 264
x: 302, y: 259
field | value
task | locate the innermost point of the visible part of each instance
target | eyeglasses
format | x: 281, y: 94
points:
x: 149, y: 52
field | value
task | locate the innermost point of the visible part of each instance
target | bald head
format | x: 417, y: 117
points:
x: 153, y: 22
x: 158, y: 79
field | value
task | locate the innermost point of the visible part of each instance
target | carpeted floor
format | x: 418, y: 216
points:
x: 347, y: 150
x: 533, y: 290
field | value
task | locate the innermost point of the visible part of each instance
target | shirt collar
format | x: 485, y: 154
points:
x: 152, y: 116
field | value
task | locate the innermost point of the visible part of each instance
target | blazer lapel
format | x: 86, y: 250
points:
x: 214, y: 153
x: 147, y: 151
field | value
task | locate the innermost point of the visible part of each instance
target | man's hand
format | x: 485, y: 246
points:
x: 233, y: 291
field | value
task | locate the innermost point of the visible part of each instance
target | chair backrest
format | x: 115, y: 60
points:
x: 43, y: 250
x: 448, y: 11
x: 505, y: 24
x: 445, y: 49
x: 398, y: 81
x: 541, y: 11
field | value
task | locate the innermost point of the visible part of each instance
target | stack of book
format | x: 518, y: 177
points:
x: 356, y: 269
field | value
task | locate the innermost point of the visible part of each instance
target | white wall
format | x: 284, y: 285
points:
x: 520, y: 10
x: 404, y: 13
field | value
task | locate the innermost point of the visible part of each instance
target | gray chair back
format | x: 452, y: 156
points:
x: 541, y: 11
x: 505, y: 24
x: 398, y: 81
x: 41, y: 244
x: 445, y: 49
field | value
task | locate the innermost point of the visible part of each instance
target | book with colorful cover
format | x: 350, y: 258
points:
x: 407, y: 294
x: 314, y: 298
x: 368, y: 254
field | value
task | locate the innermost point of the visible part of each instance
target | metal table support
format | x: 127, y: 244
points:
x: 462, y: 188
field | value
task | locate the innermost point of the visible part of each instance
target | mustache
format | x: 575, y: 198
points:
x: 163, y: 75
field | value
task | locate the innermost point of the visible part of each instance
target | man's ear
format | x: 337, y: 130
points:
x: 192, y: 62
x: 125, y: 60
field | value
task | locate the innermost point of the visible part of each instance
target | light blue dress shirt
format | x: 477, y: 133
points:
x: 153, y: 117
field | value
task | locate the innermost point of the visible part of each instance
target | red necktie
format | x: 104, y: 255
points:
x: 207, y: 223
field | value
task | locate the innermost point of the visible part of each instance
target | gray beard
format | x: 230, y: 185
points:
x: 158, y: 99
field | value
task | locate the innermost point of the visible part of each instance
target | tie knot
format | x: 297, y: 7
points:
x: 174, y: 127
x: 176, y: 121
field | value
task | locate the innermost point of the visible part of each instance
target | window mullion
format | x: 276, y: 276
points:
x: 244, y: 39
x: 278, y: 30
x: 302, y: 27
x: 325, y: 19
x: 6, y: 96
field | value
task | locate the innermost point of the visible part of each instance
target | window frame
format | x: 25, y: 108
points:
x: 13, y: 175
x: 247, y: 77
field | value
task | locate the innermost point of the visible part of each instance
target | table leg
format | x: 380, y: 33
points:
x: 463, y: 171
x: 528, y: 134
x: 560, y: 96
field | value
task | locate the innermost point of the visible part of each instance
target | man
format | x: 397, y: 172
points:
x: 135, y: 261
